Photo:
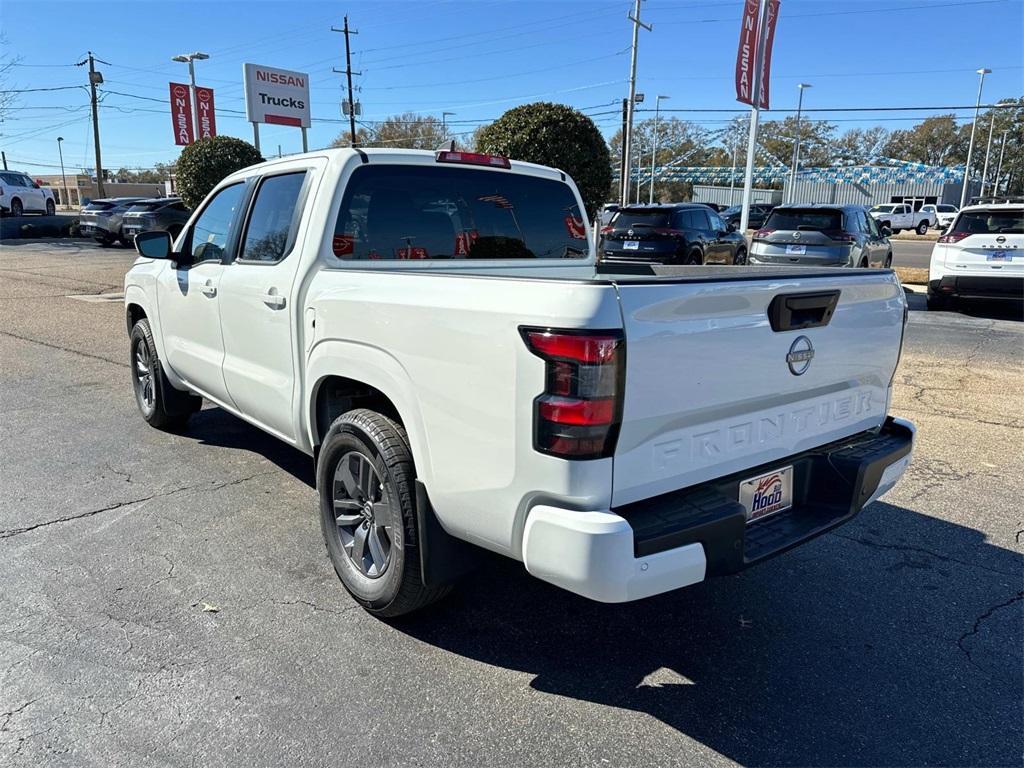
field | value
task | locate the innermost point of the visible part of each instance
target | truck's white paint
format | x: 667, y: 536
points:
x: 440, y: 338
x: 903, y: 216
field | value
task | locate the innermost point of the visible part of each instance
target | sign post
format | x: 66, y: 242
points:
x: 753, y: 67
x: 276, y: 96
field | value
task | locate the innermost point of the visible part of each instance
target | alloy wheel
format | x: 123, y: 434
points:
x: 143, y: 370
x: 363, y: 514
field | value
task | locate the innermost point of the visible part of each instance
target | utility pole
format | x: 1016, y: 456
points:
x: 970, y: 147
x: 348, y: 73
x: 796, y: 143
x: 748, y: 176
x: 95, y: 78
x: 3, y: 155
x: 999, y: 167
x: 623, y: 192
x: 627, y: 138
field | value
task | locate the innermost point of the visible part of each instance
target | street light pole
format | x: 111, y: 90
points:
x: 63, y: 178
x: 988, y: 150
x: 190, y: 58
x: 970, y: 147
x: 627, y: 138
x: 796, y: 143
x: 657, y: 106
x: 444, y: 125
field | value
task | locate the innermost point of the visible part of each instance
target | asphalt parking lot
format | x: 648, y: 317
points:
x: 167, y: 599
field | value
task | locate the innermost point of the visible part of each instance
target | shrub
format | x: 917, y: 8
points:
x: 558, y: 136
x: 203, y: 164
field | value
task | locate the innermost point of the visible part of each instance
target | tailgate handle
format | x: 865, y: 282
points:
x: 794, y: 311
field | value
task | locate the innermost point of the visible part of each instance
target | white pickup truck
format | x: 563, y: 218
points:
x: 899, y: 216
x: 435, y: 331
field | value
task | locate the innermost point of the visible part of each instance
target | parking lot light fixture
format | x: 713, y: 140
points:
x: 190, y: 59
x: 796, y: 142
x: 63, y: 178
x: 657, y: 105
x: 970, y: 147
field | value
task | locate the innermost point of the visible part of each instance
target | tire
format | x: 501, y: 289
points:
x: 369, y: 520
x: 17, y: 209
x: 51, y: 208
x: 695, y: 257
x: 105, y: 242
x: 864, y: 263
x: 922, y: 228
x: 740, y: 259
x: 161, y: 405
x: 936, y: 303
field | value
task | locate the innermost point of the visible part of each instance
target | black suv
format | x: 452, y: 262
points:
x: 688, y: 233
x: 758, y: 213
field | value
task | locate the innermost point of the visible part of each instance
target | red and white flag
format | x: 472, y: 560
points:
x: 205, y: 112
x: 181, y: 114
x: 746, y: 54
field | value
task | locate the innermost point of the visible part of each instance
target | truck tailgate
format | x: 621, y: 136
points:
x: 712, y: 389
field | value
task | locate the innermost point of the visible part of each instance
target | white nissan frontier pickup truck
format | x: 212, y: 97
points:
x: 434, y: 330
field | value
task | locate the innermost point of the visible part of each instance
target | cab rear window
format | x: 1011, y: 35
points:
x: 423, y: 212
x: 635, y: 219
x: 990, y: 222
x: 809, y: 219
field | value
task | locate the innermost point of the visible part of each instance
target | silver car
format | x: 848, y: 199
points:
x: 101, y: 219
x: 820, y: 235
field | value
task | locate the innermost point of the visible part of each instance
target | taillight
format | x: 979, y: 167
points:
x: 842, y: 237
x: 578, y: 414
x: 473, y: 158
x: 607, y: 230
x: 763, y: 232
x: 953, y: 237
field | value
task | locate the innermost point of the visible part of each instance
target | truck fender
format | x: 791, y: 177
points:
x: 379, y: 369
x: 134, y: 294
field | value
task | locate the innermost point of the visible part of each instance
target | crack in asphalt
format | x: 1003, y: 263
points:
x: 64, y: 349
x: 920, y: 550
x: 977, y: 626
x: 118, y: 505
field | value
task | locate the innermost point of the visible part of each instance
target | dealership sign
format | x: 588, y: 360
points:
x: 276, y: 96
x: 181, y: 114
x: 752, y: 38
x: 205, y: 119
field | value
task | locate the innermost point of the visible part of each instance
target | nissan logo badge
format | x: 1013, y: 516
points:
x: 801, y: 352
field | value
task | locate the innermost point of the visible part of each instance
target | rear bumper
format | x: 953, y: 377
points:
x: 680, y: 538
x: 978, y: 287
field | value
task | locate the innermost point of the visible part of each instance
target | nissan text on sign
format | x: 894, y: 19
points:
x: 276, y: 96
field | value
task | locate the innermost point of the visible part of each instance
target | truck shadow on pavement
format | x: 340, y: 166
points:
x: 863, y: 648
x: 895, y: 640
x: 986, y: 310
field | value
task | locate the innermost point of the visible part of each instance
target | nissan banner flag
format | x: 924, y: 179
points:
x: 181, y: 114
x: 205, y: 112
x: 746, y: 55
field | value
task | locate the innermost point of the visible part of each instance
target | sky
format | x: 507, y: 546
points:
x: 477, y: 59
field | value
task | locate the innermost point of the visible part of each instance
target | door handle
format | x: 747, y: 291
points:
x: 273, y: 299
x: 209, y: 289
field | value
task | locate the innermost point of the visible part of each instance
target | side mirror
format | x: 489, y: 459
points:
x: 154, y: 245
x: 885, y: 231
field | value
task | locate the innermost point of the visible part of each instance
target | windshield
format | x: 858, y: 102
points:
x: 99, y: 205
x: 883, y: 208
x: 816, y: 219
x: 731, y: 210
x: 947, y: 209
x: 990, y: 222
x: 432, y: 212
x: 634, y: 219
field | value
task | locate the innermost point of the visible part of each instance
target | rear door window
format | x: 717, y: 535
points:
x: 272, y: 223
x: 990, y: 222
x: 812, y: 219
x: 427, y: 212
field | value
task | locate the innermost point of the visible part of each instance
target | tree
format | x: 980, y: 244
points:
x: 935, y: 141
x: 344, y: 139
x: 405, y: 131
x: 158, y: 173
x: 860, y: 145
x: 558, y: 136
x: 1008, y: 120
x: 7, y: 63
x: 678, y: 140
x: 777, y: 138
x: 203, y: 164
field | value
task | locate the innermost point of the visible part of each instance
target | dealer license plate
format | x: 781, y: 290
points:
x: 999, y: 256
x: 767, y: 494
x: 631, y: 245
x: 796, y: 250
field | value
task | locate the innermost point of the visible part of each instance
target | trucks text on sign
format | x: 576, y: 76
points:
x: 276, y: 96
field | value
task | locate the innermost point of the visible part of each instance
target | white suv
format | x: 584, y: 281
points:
x: 980, y: 256
x: 19, y: 194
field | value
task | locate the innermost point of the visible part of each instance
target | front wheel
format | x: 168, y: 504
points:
x: 741, y: 258
x: 365, y: 477
x: 51, y: 209
x: 922, y: 228
x: 161, y: 405
x: 17, y: 209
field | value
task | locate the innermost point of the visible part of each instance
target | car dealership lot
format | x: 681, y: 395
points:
x: 168, y: 598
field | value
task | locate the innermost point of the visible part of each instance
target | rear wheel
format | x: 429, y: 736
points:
x: 741, y: 257
x: 161, y: 405
x: 695, y: 257
x: 51, y: 209
x: 17, y: 209
x: 922, y: 228
x: 365, y: 478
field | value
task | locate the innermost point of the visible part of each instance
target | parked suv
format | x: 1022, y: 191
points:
x: 167, y: 214
x: 821, y: 236
x: 101, y: 219
x: 19, y: 194
x: 980, y: 256
x: 758, y: 213
x: 685, y: 233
